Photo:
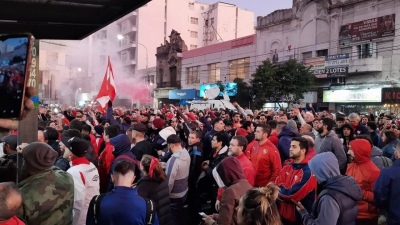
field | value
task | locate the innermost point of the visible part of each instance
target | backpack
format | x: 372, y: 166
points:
x: 95, y: 207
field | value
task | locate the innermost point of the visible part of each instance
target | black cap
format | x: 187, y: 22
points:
x: 140, y: 127
x: 11, y: 140
x: 78, y: 146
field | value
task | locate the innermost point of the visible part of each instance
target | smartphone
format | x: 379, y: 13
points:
x: 15, y: 63
x: 202, y: 214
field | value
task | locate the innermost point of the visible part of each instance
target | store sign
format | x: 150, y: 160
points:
x: 330, y: 66
x: 317, y: 66
x: 182, y: 94
x: 230, y: 89
x: 391, y: 95
x: 379, y: 27
x: 357, y: 95
x: 337, y: 65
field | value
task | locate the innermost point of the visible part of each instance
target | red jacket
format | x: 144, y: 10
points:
x: 296, y: 183
x: 266, y: 162
x: 105, y: 160
x: 13, y: 221
x: 365, y: 172
x: 273, y: 137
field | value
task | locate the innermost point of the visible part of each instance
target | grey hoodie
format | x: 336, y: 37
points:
x: 329, y: 212
x: 332, y: 143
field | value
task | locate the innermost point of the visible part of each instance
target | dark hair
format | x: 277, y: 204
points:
x: 329, y: 123
x: 105, y: 121
x: 7, y: 191
x: 48, y: 123
x: 242, y: 141
x: 111, y: 131
x: 76, y: 124
x: 87, y: 128
x: 42, y: 125
x: 340, y: 118
x: 173, y: 139
x: 303, y: 142
x: 51, y: 134
x: 272, y: 124
x: 222, y: 137
x: 235, y: 113
x: 390, y: 136
x: 388, y: 117
x: 124, y: 167
x: 372, y: 125
x: 72, y: 133
x: 265, y: 129
x: 366, y: 137
x: 197, y: 133
x: 215, y: 121
x: 158, y: 171
x: 251, y: 116
x: 246, y: 125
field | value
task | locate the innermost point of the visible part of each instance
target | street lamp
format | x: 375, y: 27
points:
x: 120, y: 37
x: 76, y: 96
x: 79, y: 69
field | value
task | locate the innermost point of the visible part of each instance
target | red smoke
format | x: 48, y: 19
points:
x: 135, y: 91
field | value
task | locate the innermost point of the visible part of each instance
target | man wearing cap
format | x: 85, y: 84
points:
x: 86, y: 179
x: 47, y: 193
x: 8, y: 163
x: 177, y: 169
x: 141, y: 145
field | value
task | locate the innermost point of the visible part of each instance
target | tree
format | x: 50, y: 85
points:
x: 285, y: 82
x: 244, y: 93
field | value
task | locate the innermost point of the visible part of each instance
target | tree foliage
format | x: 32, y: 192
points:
x: 285, y: 82
x: 244, y: 92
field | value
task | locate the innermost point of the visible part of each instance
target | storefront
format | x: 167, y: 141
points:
x: 182, y: 96
x: 354, y: 100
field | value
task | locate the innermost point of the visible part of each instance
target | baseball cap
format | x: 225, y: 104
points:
x: 11, y: 140
x: 140, y: 127
x: 78, y: 146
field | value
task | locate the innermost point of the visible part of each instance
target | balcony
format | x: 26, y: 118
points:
x: 125, y: 46
x: 128, y: 62
x: 169, y: 84
x: 131, y: 15
x: 129, y: 29
x: 366, y: 65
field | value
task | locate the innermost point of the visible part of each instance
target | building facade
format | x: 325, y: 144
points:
x: 351, y: 46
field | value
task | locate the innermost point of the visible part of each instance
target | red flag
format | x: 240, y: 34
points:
x: 107, y: 90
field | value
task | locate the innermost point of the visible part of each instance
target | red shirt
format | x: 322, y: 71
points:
x: 13, y: 221
x: 274, y: 138
x: 105, y: 160
x: 266, y: 162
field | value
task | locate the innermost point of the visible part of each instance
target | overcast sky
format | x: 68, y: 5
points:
x: 260, y: 7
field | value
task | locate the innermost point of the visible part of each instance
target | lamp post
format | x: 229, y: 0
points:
x: 76, y: 96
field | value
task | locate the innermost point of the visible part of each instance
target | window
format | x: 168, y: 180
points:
x: 124, y: 56
x: 124, y: 26
x: 214, y: 72
x: 212, y: 21
x: 322, y: 52
x: 202, y: 7
x: 193, y: 34
x: 194, y: 20
x: 307, y: 55
x: 239, y: 68
x: 206, y: 23
x: 193, y: 75
x: 193, y: 47
x: 364, y: 51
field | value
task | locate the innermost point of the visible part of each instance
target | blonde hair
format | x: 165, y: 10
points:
x: 258, y: 207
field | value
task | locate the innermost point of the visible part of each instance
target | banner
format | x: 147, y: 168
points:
x: 33, y: 79
x: 379, y: 27
x: 182, y: 94
x: 391, y: 95
x: 337, y: 65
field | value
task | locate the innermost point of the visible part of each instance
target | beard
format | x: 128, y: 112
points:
x: 294, y: 156
x: 320, y: 130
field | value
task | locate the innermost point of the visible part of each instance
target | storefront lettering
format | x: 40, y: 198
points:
x: 392, y: 95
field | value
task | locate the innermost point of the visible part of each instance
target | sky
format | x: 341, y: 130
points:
x: 260, y: 7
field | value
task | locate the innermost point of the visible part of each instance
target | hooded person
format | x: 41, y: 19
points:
x: 346, y: 135
x: 122, y: 152
x: 42, y: 185
x: 230, y: 176
x: 164, y: 152
x: 338, y: 195
x: 365, y: 172
x: 285, y: 137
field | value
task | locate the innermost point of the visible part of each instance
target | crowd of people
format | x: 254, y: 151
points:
x: 176, y: 166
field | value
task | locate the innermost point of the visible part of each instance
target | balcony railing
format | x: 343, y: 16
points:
x: 169, y: 84
x: 374, y: 64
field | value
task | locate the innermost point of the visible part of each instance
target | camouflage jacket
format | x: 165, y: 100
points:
x: 48, y: 198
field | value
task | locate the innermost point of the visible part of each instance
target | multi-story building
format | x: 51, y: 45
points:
x: 350, y: 44
x: 136, y: 36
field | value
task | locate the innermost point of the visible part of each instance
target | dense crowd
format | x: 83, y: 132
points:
x: 176, y: 166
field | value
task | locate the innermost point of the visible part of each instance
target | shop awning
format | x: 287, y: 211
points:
x: 62, y: 19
